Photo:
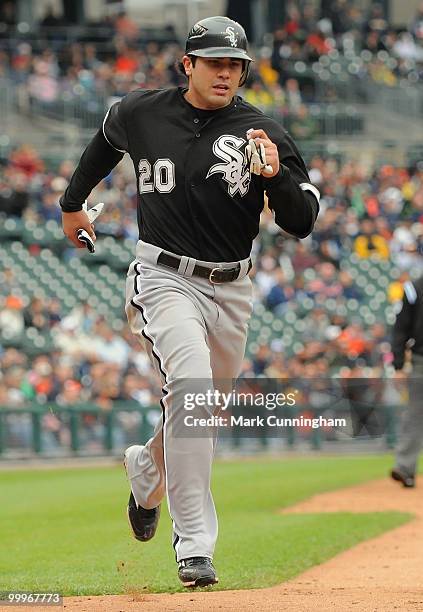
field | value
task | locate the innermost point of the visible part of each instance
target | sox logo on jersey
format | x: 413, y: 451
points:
x: 234, y: 169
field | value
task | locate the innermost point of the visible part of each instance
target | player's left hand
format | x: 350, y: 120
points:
x: 269, y: 158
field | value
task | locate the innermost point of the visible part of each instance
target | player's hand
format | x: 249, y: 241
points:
x: 270, y: 150
x: 72, y: 222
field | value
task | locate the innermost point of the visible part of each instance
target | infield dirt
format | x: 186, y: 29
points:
x: 381, y: 574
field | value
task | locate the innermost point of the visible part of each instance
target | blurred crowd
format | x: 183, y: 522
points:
x: 348, y: 29
x: 376, y: 213
x: 363, y: 210
x: 373, y: 213
x: 294, y: 64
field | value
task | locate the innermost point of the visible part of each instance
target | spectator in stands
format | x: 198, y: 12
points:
x: 303, y: 126
x: 258, y: 96
x: 109, y: 346
x: 374, y: 42
x: 349, y: 289
x: 382, y: 227
x: 369, y: 243
x: 416, y: 26
x: 71, y: 394
x: 326, y: 284
x: 126, y: 26
x: 356, y: 21
x: 11, y: 357
x: 109, y: 391
x: 43, y: 86
x: 82, y: 317
x: 26, y: 159
x: 379, y: 348
x: 41, y: 380
x: 8, y: 13
x: 308, y: 22
x: 50, y: 19
x: 407, y: 48
x: 261, y: 360
x: 36, y: 315
x: 339, y: 17
x: 280, y: 294
x: 352, y: 341
x: 318, y: 43
x: 403, y: 248
x: 48, y: 206
x: 63, y: 372
x: 72, y: 341
x: 13, y: 193
x: 9, y: 283
x: 293, y: 95
x: 127, y: 61
x: 11, y: 318
x: 303, y: 258
x: 268, y: 75
x: 376, y: 21
x: 21, y: 65
x: 54, y: 312
x: 4, y: 395
x: 316, y: 325
x: 264, y: 276
x: 279, y: 42
x: 293, y: 21
x: 14, y: 379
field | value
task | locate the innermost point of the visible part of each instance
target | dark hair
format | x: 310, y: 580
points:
x: 180, y: 66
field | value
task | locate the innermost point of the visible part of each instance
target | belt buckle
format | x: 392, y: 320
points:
x: 215, y: 282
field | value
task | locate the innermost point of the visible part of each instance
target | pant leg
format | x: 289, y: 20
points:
x: 410, y: 440
x: 170, y: 314
x: 227, y: 340
x: 411, y: 427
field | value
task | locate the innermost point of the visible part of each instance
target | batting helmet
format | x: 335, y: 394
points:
x: 219, y: 37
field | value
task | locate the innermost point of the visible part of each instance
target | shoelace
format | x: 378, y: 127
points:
x: 197, y: 561
x: 145, y: 513
x: 142, y: 512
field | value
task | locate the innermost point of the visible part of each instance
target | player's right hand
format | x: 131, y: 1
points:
x: 72, y: 222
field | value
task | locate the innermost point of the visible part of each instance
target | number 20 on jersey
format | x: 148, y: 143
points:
x: 160, y: 178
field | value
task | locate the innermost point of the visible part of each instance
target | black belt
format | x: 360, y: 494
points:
x: 215, y: 275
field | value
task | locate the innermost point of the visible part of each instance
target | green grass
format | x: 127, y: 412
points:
x: 66, y: 529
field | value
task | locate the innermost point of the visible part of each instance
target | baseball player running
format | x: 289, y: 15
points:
x: 201, y: 183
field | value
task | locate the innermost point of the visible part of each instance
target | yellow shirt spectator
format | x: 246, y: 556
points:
x: 369, y: 243
x: 258, y: 96
x: 365, y: 246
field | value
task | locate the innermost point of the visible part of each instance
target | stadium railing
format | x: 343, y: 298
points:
x: 53, y: 430
x: 403, y: 100
x: 55, y: 37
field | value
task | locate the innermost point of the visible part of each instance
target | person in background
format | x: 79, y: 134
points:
x: 409, y: 326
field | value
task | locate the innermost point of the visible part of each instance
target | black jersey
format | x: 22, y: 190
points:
x: 196, y: 194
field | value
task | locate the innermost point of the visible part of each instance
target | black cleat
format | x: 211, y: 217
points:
x: 142, y: 522
x: 407, y: 481
x: 197, y: 572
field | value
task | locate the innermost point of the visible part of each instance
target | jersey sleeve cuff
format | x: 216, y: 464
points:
x: 67, y: 207
x: 278, y: 178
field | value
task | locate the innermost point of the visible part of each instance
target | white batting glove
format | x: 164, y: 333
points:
x: 256, y: 157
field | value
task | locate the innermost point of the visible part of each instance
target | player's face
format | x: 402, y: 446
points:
x: 213, y: 81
